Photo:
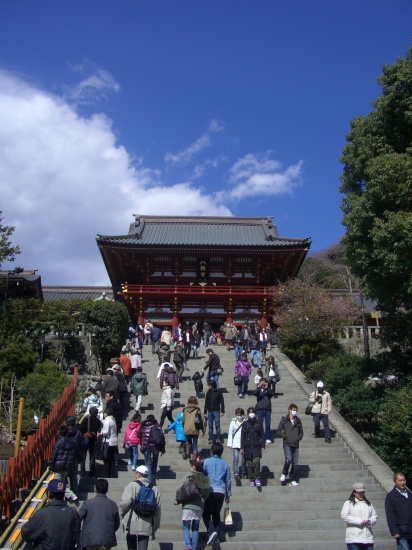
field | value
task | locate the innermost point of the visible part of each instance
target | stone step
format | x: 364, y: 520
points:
x: 306, y: 517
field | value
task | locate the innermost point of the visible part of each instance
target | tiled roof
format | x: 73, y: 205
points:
x: 77, y: 293
x: 200, y: 231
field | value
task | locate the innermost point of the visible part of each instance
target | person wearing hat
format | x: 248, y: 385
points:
x: 100, y: 518
x: 321, y: 408
x: 57, y: 525
x: 138, y: 528
x: 359, y: 515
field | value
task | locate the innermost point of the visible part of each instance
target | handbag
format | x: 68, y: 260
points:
x: 128, y: 442
x: 238, y: 380
x: 101, y: 449
x: 308, y: 410
x: 198, y: 421
x: 228, y: 517
x: 187, y: 492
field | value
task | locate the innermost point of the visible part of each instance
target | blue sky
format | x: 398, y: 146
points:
x: 177, y: 107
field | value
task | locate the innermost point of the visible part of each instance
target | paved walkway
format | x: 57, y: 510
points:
x: 275, y: 516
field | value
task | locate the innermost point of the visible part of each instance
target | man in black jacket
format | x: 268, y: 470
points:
x: 290, y: 429
x: 63, y: 458
x: 123, y: 392
x: 77, y: 436
x: 100, y: 518
x: 398, y: 508
x: 112, y: 403
x: 212, y: 364
x: 155, y: 335
x: 214, y: 409
x: 56, y: 526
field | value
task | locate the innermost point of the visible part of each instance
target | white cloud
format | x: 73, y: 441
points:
x: 64, y: 178
x: 216, y: 126
x: 184, y: 157
x: 95, y: 86
x: 253, y: 176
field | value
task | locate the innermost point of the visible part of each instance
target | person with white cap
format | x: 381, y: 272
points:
x: 359, y: 515
x: 139, y: 527
x: 321, y: 408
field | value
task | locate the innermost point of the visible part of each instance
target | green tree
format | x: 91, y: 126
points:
x: 107, y: 322
x: 393, y: 441
x: 377, y: 202
x: 40, y: 389
x: 7, y: 251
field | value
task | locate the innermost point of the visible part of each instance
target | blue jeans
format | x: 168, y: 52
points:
x: 238, y: 351
x: 134, y: 453
x: 265, y: 416
x: 359, y: 546
x: 236, y: 454
x: 255, y: 353
x: 195, y: 350
x: 195, y: 532
x: 242, y: 388
x: 214, y: 376
x: 402, y: 544
x: 291, y: 457
x: 213, y: 416
x: 151, y: 458
x: 192, y: 440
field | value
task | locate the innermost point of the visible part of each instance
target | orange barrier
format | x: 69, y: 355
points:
x: 30, y: 462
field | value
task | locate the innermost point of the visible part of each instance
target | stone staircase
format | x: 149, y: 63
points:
x: 277, y: 515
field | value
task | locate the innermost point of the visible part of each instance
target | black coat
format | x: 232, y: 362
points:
x: 291, y: 434
x: 197, y: 379
x: 101, y: 521
x: 77, y: 436
x: 399, y: 513
x: 64, y: 455
x: 213, y: 363
x: 214, y: 401
x: 54, y: 527
x: 117, y: 412
x: 252, y: 439
x: 264, y: 397
x: 93, y: 422
x: 122, y: 381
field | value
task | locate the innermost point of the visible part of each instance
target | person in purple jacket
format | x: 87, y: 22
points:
x: 243, y: 369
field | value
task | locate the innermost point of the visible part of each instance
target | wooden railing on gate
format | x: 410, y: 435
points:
x: 30, y: 462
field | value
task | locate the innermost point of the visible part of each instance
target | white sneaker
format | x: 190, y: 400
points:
x: 268, y: 441
x: 282, y: 477
x: 211, y: 538
x: 294, y: 483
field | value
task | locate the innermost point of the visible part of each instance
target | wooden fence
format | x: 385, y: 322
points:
x: 30, y: 462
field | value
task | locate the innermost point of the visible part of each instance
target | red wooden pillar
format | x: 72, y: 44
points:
x: 175, y: 322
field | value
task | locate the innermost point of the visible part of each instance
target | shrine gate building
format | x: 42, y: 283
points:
x: 170, y: 269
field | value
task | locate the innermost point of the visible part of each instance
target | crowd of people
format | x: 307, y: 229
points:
x: 107, y: 404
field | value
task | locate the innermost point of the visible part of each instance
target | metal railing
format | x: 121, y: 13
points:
x: 30, y: 462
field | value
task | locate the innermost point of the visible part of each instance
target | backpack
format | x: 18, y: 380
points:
x: 145, y: 503
x: 157, y: 437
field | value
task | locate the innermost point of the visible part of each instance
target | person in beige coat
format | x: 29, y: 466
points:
x: 189, y: 427
x: 321, y: 408
x: 166, y: 336
x: 166, y: 403
x: 138, y: 528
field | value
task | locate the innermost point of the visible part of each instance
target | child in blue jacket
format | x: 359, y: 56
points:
x: 177, y: 426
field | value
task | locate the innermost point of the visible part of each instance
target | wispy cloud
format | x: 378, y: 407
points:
x: 216, y: 126
x: 254, y: 175
x: 96, y: 85
x: 200, y: 169
x: 184, y: 157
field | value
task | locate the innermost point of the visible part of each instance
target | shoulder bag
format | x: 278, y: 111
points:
x: 187, y: 492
